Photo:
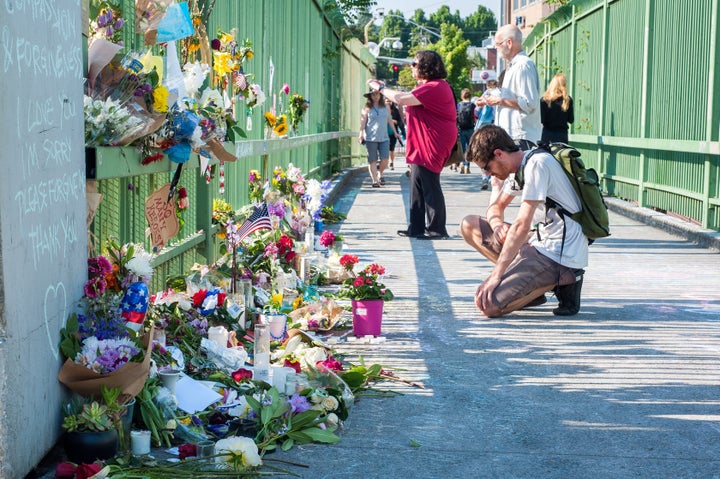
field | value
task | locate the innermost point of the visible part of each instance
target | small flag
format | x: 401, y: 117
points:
x: 258, y: 220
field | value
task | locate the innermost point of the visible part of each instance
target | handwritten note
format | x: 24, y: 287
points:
x: 161, y: 217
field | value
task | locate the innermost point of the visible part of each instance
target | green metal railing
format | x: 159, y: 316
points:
x: 642, y: 75
x: 303, y: 42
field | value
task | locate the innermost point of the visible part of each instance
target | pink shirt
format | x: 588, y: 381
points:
x: 431, y: 127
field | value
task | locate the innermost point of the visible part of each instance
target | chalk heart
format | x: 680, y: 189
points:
x: 55, y: 310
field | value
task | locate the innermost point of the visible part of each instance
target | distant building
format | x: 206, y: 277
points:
x: 524, y: 13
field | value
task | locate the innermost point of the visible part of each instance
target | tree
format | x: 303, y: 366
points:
x: 480, y: 25
x: 453, y: 49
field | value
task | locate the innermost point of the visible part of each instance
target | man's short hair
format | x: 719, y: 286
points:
x: 483, y: 143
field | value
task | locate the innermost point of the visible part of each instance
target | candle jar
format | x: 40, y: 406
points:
x: 261, y: 353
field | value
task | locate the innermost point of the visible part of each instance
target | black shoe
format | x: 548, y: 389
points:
x: 375, y: 185
x: 392, y: 166
x: 433, y: 236
x: 569, y: 297
x: 382, y: 181
x: 536, y: 302
x: 407, y: 234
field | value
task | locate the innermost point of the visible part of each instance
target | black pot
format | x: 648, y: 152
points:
x: 87, y: 447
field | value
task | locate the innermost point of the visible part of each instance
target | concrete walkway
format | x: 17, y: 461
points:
x: 626, y: 389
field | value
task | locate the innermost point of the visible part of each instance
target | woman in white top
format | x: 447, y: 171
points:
x: 375, y: 120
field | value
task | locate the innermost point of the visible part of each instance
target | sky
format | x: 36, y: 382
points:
x: 466, y: 7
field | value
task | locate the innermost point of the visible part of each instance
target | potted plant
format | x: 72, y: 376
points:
x: 367, y: 294
x: 93, y: 427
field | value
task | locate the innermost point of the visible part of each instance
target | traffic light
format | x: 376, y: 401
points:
x: 396, y: 72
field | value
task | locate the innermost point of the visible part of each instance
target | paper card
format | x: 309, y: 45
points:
x: 194, y: 396
x: 160, y: 214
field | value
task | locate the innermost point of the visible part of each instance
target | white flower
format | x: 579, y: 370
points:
x: 332, y: 420
x: 140, y: 264
x: 237, y: 451
x: 194, y: 77
x: 330, y: 403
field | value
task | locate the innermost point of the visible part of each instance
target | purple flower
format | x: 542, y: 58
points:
x: 277, y: 209
x: 215, y: 44
x: 119, y: 24
x: 298, y: 403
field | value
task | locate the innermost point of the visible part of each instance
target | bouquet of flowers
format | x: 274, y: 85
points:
x: 365, y: 284
x: 277, y: 124
x: 100, y: 344
x: 296, y: 110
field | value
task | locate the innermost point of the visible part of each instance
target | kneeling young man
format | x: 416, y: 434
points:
x: 554, y: 256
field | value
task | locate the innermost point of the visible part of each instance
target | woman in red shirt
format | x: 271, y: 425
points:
x: 431, y: 134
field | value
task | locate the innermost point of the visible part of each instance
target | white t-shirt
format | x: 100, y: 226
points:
x: 545, y: 177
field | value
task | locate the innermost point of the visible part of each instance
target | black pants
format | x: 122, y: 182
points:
x: 426, y: 199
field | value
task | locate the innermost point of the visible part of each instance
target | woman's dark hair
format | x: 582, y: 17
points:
x: 430, y: 65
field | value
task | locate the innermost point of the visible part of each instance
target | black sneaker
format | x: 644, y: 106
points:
x: 569, y: 297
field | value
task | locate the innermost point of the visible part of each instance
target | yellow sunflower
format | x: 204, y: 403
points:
x: 270, y: 119
x: 281, y: 129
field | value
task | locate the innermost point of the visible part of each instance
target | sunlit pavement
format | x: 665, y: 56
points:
x: 627, y: 388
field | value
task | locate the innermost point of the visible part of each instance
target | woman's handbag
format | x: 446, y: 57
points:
x: 456, y: 155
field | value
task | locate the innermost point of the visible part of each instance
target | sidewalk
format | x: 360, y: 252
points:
x: 626, y: 389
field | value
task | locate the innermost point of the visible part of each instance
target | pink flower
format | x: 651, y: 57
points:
x: 358, y: 282
x: 242, y: 374
x: 286, y: 88
x: 327, y: 238
x: 348, y: 261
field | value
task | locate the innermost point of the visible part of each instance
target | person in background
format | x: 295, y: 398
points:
x: 556, y: 110
x: 557, y: 253
x: 466, y: 125
x: 399, y: 127
x: 375, y: 121
x: 431, y: 134
x: 518, y: 106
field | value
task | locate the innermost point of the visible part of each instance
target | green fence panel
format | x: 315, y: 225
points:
x: 302, y: 41
x: 647, y: 115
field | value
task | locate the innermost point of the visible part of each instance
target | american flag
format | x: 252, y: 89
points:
x: 258, y: 220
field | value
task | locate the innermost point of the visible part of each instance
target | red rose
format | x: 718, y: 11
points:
x: 65, y: 470
x: 293, y: 364
x: 187, y: 450
x: 87, y: 470
x: 242, y: 374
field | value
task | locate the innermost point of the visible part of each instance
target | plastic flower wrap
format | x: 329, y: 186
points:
x: 194, y: 75
x: 107, y: 122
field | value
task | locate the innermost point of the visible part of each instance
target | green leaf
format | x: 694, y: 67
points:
x: 254, y: 403
x: 321, y: 435
x: 300, y: 437
x: 288, y: 444
x: 414, y: 443
x: 303, y: 419
x: 354, y: 379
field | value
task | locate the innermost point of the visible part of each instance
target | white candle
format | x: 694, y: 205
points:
x: 140, y: 442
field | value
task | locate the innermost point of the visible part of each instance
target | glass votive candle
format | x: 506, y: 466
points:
x: 140, y: 442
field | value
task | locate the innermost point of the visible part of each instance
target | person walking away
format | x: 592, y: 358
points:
x: 375, y: 120
x: 399, y: 128
x: 518, y: 107
x: 431, y: 134
x: 556, y: 110
x: 486, y: 116
x: 555, y: 256
x: 466, y: 124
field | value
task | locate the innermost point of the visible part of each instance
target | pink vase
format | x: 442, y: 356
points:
x: 367, y: 317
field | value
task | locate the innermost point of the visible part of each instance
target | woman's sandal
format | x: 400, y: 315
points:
x: 375, y: 185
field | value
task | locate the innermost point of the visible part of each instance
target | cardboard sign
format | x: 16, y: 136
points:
x: 161, y: 217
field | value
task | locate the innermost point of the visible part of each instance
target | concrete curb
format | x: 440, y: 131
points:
x: 340, y: 180
x: 702, y: 237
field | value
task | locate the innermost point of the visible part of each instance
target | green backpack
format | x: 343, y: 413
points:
x: 593, y: 217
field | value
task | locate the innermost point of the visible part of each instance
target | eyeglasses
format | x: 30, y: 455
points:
x: 484, y: 167
x: 499, y: 44
x: 414, y: 64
